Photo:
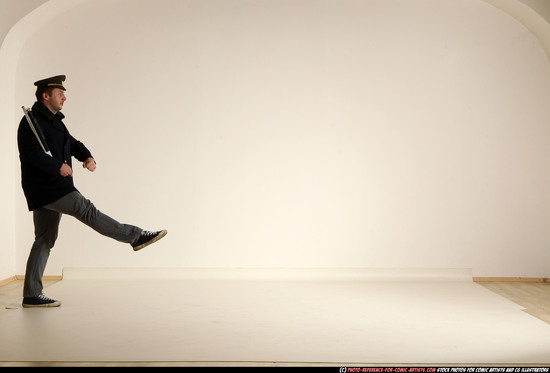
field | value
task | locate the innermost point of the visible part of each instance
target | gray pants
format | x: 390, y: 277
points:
x: 46, y: 227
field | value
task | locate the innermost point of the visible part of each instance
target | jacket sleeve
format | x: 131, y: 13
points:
x: 78, y: 150
x: 31, y: 153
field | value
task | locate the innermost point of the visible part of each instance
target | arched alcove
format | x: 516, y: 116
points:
x: 300, y: 134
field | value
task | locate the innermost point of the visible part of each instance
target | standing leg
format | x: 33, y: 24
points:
x: 46, y: 227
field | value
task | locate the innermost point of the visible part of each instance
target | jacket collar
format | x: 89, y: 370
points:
x: 40, y: 107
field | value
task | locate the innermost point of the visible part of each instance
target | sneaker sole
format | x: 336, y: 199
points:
x: 161, y: 234
x: 54, y: 304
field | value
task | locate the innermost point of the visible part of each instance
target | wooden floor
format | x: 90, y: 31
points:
x: 533, y: 296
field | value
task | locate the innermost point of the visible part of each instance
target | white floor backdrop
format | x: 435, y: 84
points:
x: 277, y: 317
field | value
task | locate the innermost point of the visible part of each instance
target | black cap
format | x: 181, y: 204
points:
x: 54, y: 81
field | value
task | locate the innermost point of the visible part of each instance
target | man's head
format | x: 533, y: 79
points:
x: 51, y: 92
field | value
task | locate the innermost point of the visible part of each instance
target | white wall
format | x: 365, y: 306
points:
x: 11, y: 12
x: 303, y: 133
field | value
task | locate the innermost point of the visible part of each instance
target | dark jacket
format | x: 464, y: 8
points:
x: 40, y: 178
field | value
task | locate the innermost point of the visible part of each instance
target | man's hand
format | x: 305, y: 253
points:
x: 89, y: 164
x: 66, y: 170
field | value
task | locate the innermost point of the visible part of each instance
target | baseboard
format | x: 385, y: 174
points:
x: 8, y: 280
x: 511, y: 279
x: 22, y: 277
x: 149, y: 273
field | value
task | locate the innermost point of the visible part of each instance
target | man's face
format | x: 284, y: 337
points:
x: 55, y: 100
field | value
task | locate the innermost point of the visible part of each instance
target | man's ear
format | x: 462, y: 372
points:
x: 45, y: 96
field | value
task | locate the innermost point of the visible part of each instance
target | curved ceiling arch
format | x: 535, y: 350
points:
x: 528, y: 16
x: 34, y: 20
x: 530, y: 13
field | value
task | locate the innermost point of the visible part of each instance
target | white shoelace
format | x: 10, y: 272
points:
x: 44, y: 297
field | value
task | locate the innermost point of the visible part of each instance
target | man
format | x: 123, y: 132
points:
x: 47, y: 182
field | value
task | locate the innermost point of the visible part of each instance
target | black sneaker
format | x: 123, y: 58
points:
x: 147, y: 238
x: 40, y: 301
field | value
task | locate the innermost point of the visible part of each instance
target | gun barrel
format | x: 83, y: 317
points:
x: 33, y: 129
